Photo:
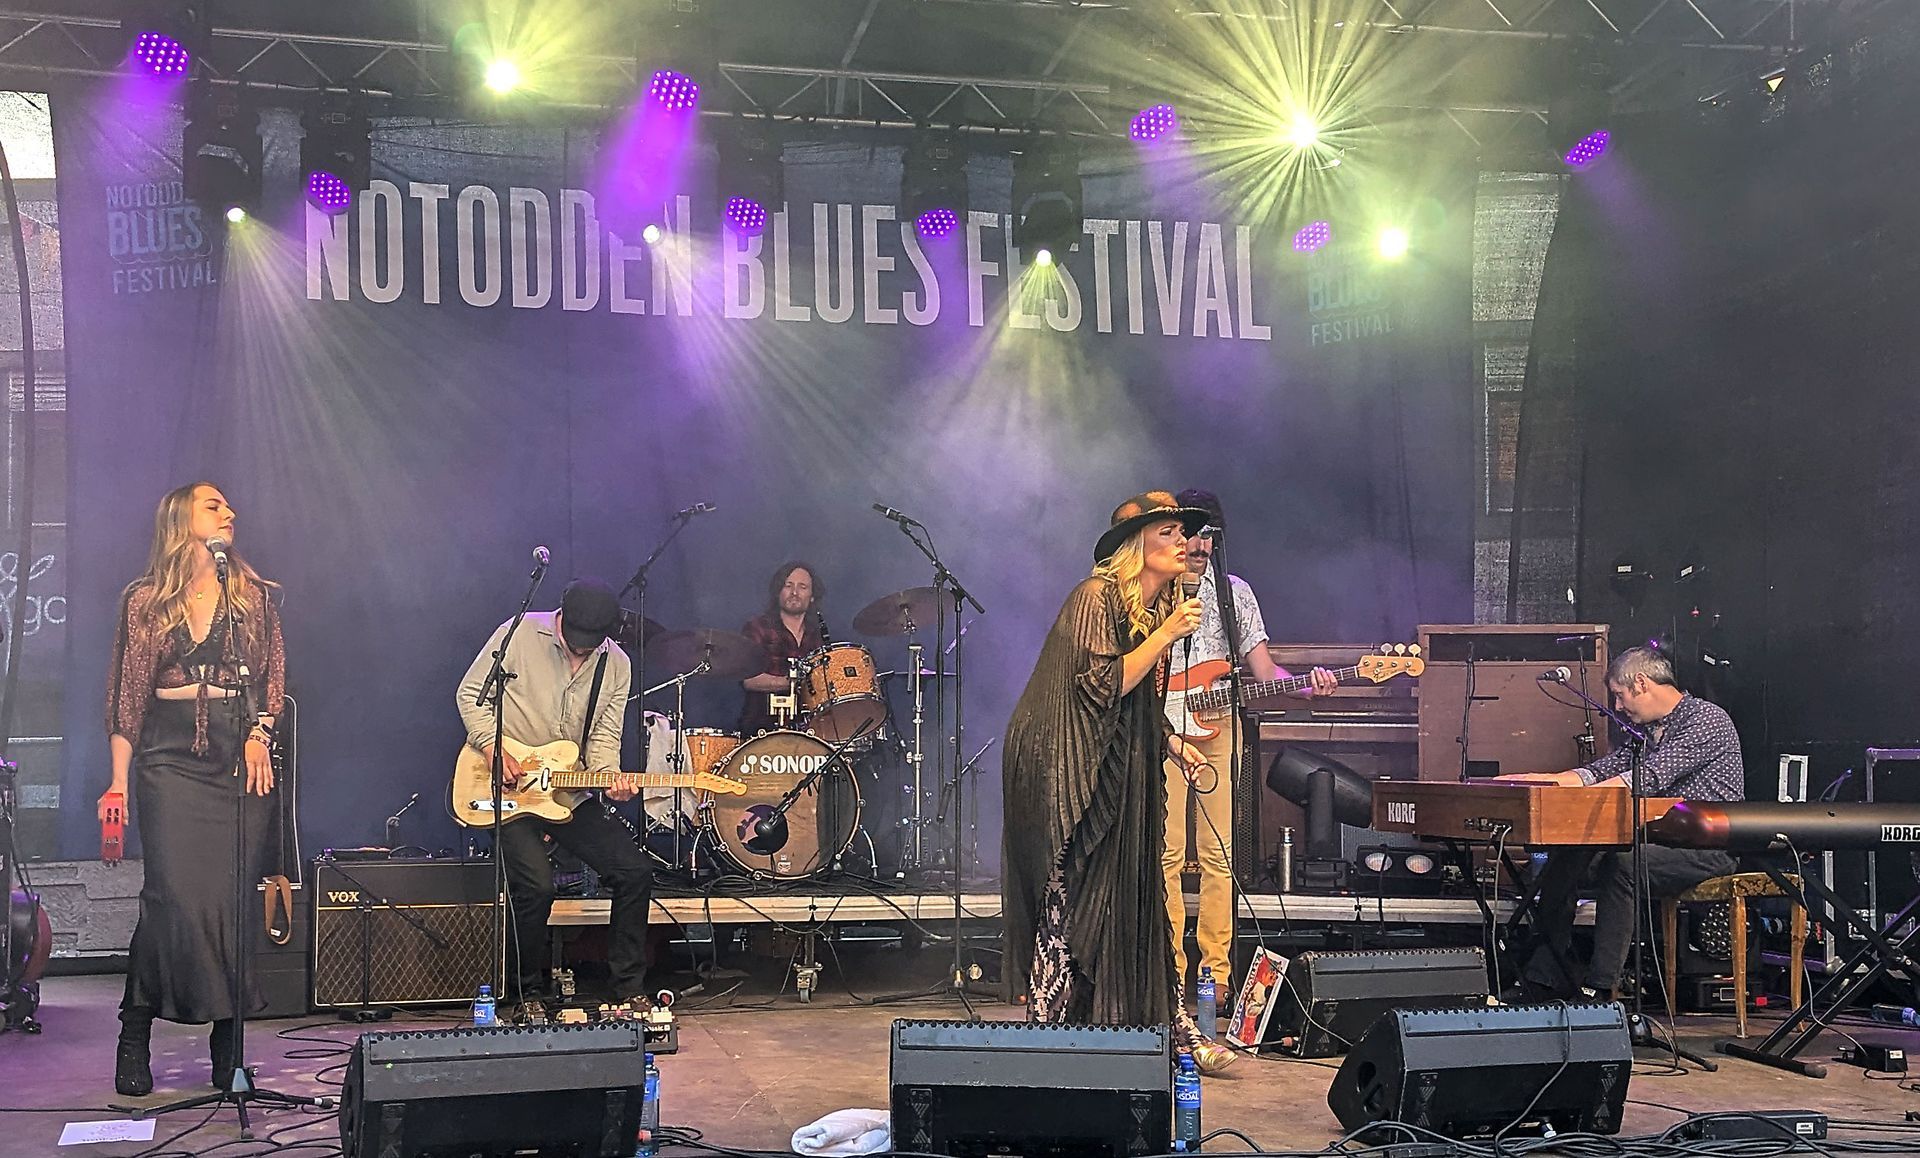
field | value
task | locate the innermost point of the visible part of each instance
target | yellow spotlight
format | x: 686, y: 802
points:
x: 1043, y: 257
x: 503, y: 76
x: 236, y: 215
x: 1394, y: 243
x: 1302, y: 133
x: 651, y: 235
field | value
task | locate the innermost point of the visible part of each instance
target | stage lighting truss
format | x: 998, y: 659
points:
x: 163, y: 37
x: 336, y: 159
x: 1047, y: 203
x: 1577, y: 116
x: 933, y: 185
x: 220, y: 150
x: 750, y: 175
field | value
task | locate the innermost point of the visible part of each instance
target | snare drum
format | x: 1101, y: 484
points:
x: 821, y: 821
x: 840, y: 692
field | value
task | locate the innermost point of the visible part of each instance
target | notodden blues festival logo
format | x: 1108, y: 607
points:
x: 1346, y: 297
x: 158, y: 239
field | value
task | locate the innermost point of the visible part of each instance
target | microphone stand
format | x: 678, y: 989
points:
x: 676, y: 523
x: 240, y: 1089
x: 1639, y: 1029
x: 765, y: 827
x: 945, y: 581
x: 493, y: 690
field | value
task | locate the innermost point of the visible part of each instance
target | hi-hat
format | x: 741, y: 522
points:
x: 916, y: 608
x: 730, y: 655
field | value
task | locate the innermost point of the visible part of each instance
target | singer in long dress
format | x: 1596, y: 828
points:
x: 1085, y: 794
x: 192, y: 696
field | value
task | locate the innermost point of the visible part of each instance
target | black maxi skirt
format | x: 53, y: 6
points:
x: 181, y: 963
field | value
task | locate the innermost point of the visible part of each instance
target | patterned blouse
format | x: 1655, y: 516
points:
x: 147, y: 657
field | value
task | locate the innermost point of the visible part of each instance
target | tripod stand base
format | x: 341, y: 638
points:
x: 1640, y: 1033
x: 243, y: 1094
x: 1756, y: 1054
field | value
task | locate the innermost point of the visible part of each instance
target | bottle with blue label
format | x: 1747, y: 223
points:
x: 483, y: 1009
x: 1209, y: 1003
x: 649, y: 1139
x: 1186, y: 1107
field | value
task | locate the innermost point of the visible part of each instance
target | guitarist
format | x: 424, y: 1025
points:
x: 1239, y: 631
x: 571, y: 684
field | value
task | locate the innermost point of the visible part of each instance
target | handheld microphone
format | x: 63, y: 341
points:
x: 695, y: 509
x: 1190, y: 587
x: 218, y: 546
x: 1555, y: 675
x: 888, y: 512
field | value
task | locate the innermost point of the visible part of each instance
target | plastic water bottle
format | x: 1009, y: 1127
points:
x: 483, y: 1010
x: 1186, y: 1107
x: 649, y: 1139
x: 1900, y: 1014
x: 1209, y: 1003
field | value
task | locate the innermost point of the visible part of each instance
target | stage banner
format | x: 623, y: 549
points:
x: 486, y: 353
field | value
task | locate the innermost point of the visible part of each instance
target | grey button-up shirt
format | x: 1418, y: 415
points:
x: 548, y: 699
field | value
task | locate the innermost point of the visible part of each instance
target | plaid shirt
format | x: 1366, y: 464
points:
x: 1696, y: 755
x: 779, y: 646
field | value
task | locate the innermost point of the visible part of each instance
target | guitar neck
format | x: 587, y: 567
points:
x: 580, y: 781
x: 1222, y: 697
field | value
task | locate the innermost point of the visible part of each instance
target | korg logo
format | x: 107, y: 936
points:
x: 1899, y: 833
x: 1400, y: 812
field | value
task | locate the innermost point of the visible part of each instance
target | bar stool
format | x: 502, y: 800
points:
x: 1734, y: 889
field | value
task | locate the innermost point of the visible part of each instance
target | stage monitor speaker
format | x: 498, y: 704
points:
x: 551, y: 1089
x: 1329, y: 999
x: 407, y: 932
x: 1481, y: 691
x: 1468, y: 1073
x: 1063, y: 1091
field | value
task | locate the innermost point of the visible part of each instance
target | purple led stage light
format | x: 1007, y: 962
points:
x: 328, y: 193
x: 1312, y: 237
x: 1150, y: 124
x: 673, y: 91
x: 160, y: 54
x: 1589, y: 149
x: 746, y: 216
x: 936, y: 224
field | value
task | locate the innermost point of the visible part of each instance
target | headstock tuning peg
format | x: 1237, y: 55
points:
x: 1386, y: 649
x: 1413, y: 649
x: 1399, y: 649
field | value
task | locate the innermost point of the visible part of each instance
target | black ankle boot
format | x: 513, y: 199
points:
x: 221, y: 1044
x: 133, y: 1055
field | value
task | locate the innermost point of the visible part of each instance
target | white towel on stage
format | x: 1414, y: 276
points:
x: 844, y: 1133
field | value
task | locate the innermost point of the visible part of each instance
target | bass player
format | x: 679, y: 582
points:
x: 570, y: 683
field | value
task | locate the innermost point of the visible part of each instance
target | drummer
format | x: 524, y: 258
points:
x: 791, y: 627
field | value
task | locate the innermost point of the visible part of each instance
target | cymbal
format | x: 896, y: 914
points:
x: 888, y: 615
x: 630, y: 631
x: 925, y: 674
x: 730, y: 654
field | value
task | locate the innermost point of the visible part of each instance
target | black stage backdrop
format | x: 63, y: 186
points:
x: 1744, y: 353
x: 400, y: 410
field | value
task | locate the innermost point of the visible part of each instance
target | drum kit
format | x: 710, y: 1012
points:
x: 831, y: 730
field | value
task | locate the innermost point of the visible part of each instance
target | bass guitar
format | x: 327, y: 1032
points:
x: 1208, y: 697
x: 551, y: 783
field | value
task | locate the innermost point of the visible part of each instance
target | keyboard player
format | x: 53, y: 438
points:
x: 1692, y: 751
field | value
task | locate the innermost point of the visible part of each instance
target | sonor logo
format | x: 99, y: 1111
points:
x: 1400, y: 812
x: 347, y: 897
x: 1899, y: 833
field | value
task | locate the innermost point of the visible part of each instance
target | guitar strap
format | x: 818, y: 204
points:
x: 593, y: 702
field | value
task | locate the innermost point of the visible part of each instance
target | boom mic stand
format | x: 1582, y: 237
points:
x: 493, y: 690
x: 637, y: 583
x: 945, y: 581
x: 1639, y: 1028
x: 240, y: 1089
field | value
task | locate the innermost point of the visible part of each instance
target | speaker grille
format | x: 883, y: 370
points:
x: 443, y: 961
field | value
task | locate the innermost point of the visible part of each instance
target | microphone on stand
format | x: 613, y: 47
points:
x: 887, y: 512
x: 541, y: 557
x: 1555, y: 675
x: 218, y: 546
x: 820, y: 617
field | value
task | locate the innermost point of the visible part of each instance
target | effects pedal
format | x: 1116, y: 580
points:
x: 1875, y: 1057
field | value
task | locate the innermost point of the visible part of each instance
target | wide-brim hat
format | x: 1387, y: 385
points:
x: 1140, y: 510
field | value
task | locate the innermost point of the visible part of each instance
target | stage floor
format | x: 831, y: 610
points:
x: 755, y: 1065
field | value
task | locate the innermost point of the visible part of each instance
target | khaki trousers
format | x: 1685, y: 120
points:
x: 1213, y: 848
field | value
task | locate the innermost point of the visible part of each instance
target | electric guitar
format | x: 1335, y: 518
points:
x: 1206, y: 702
x: 550, y: 783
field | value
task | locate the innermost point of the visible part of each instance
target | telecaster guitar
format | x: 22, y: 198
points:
x: 1209, y: 697
x: 551, y: 783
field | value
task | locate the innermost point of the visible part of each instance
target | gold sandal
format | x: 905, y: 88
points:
x: 1211, y: 1058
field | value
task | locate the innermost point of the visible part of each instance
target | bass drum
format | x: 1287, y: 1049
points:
x: 821, y: 821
